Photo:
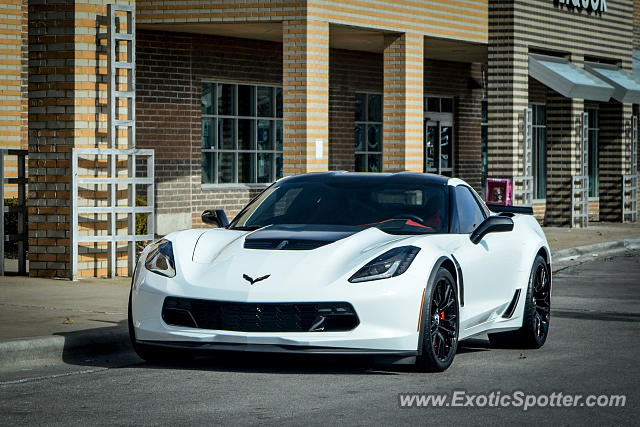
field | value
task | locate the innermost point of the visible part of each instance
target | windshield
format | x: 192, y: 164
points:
x: 395, y: 208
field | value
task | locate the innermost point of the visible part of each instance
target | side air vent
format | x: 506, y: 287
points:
x: 512, y: 305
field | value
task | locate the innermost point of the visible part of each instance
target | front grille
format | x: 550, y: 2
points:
x: 259, y: 317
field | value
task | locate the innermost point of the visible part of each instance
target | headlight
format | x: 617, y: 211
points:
x: 160, y: 259
x: 390, y: 264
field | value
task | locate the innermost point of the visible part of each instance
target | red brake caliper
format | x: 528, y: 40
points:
x: 435, y: 345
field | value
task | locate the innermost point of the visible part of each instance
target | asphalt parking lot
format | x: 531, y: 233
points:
x: 592, y: 350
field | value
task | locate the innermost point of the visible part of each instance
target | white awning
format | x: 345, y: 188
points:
x: 627, y: 89
x: 568, y: 79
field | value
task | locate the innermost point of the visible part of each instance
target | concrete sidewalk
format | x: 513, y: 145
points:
x: 43, y: 319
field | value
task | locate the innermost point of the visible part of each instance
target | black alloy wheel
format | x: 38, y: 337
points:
x: 537, y: 312
x: 542, y: 301
x: 440, y: 334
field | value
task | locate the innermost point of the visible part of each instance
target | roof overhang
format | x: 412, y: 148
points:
x: 626, y: 88
x: 568, y: 79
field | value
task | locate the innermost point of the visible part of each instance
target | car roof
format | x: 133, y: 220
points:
x: 397, y: 177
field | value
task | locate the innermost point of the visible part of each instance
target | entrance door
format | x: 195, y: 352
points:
x: 438, y: 152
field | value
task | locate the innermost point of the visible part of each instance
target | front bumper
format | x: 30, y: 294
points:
x: 272, y: 348
x: 388, y: 312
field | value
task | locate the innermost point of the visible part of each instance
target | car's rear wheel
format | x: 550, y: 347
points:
x: 537, y: 312
x: 440, y: 324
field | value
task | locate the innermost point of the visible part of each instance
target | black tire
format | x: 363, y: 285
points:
x: 151, y: 353
x: 439, y: 325
x: 537, y: 312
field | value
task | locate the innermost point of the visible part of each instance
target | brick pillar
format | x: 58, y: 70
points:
x: 51, y: 107
x: 66, y: 100
x: 403, y: 111
x: 12, y: 48
x: 24, y: 76
x: 613, y: 147
x: 564, y: 118
x: 507, y: 92
x: 305, y: 81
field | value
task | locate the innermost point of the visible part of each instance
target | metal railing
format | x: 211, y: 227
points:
x: 580, y: 201
x: 112, y: 181
x: 523, y: 184
x: 21, y: 237
x: 523, y: 189
x: 630, y: 198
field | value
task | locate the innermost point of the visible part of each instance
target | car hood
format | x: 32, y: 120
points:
x: 221, y: 258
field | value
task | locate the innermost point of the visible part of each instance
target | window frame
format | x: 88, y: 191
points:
x: 366, y: 123
x: 214, y: 151
x: 535, y: 153
x: 439, y: 117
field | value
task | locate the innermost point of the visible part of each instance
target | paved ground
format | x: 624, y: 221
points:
x: 37, y: 307
x: 592, y: 349
x: 564, y: 237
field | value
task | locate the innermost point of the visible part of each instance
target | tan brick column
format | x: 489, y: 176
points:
x: 403, y: 108
x: 564, y: 121
x: 615, y: 159
x: 305, y: 81
x: 67, y: 106
x: 12, y: 72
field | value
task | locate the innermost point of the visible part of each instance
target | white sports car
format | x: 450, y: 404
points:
x: 397, y: 265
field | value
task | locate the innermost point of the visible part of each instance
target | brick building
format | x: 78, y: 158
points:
x: 232, y: 95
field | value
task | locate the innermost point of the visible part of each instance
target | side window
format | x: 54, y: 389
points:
x: 468, y: 213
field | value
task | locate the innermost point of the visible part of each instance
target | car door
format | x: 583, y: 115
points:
x: 487, y: 267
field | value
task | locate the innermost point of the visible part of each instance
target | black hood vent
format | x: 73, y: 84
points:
x: 297, y: 237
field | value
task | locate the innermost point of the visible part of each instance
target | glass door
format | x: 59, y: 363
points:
x: 438, y: 152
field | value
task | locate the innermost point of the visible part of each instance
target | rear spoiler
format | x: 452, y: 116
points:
x: 525, y: 210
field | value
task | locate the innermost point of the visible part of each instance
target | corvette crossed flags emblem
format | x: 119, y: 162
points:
x: 252, y: 280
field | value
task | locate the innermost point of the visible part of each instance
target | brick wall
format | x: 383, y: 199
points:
x: 352, y: 72
x: 24, y: 76
x: 51, y: 107
x: 537, y: 92
x: 636, y: 24
x: 349, y: 72
x: 12, y: 63
x: 170, y: 71
x: 451, y: 79
x: 66, y: 109
x: 305, y: 88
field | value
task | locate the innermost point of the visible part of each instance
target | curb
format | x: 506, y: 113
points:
x: 56, y: 348
x: 565, y: 256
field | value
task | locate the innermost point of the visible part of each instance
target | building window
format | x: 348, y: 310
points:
x: 368, y: 132
x: 484, y: 143
x: 594, y: 182
x: 241, y: 133
x: 539, y: 149
x: 438, y: 135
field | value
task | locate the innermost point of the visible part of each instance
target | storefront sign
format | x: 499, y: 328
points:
x: 595, y: 5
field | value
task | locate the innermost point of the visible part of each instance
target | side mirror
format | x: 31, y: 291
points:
x: 493, y: 224
x: 216, y: 217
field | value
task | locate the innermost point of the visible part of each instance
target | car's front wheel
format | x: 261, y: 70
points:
x: 440, y: 324
x: 537, y: 312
